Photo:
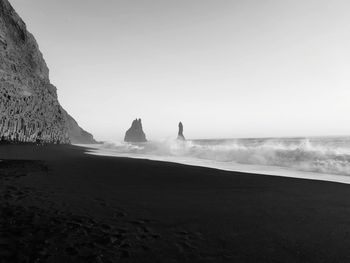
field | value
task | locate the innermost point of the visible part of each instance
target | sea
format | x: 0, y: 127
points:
x: 316, y: 158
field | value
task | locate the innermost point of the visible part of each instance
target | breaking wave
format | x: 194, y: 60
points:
x: 318, y: 155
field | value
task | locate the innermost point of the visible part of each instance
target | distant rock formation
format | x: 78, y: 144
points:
x: 29, y: 108
x: 135, y: 133
x: 180, y: 135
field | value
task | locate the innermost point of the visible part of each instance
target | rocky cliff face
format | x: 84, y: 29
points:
x: 135, y: 133
x: 29, y: 109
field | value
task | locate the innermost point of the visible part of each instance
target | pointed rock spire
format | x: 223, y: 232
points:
x: 135, y: 132
x: 180, y: 135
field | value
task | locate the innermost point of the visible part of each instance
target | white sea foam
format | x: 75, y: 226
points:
x: 315, y: 158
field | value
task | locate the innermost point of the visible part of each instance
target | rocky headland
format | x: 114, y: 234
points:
x: 76, y: 134
x: 135, y: 132
x: 29, y: 108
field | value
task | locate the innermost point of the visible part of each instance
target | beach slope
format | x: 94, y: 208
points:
x: 59, y: 204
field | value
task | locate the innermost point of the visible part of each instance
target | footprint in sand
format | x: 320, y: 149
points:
x: 186, y: 242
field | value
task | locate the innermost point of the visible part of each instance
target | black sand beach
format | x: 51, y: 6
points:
x: 60, y: 205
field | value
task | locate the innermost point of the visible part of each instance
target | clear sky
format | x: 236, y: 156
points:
x: 238, y: 68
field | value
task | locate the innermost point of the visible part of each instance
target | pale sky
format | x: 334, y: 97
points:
x: 239, y: 68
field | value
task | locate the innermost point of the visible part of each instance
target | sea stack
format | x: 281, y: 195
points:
x: 135, y: 132
x: 29, y: 108
x: 180, y: 135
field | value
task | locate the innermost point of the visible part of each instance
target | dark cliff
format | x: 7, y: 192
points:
x: 29, y: 108
x: 135, y: 132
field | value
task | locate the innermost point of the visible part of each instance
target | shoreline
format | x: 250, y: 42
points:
x: 106, y: 209
x: 229, y: 167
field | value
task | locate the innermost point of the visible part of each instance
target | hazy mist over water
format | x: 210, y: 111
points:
x: 224, y: 68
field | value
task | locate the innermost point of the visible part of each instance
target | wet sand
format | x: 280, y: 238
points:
x: 58, y: 204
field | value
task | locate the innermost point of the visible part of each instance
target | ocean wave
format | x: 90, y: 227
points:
x: 319, y: 155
